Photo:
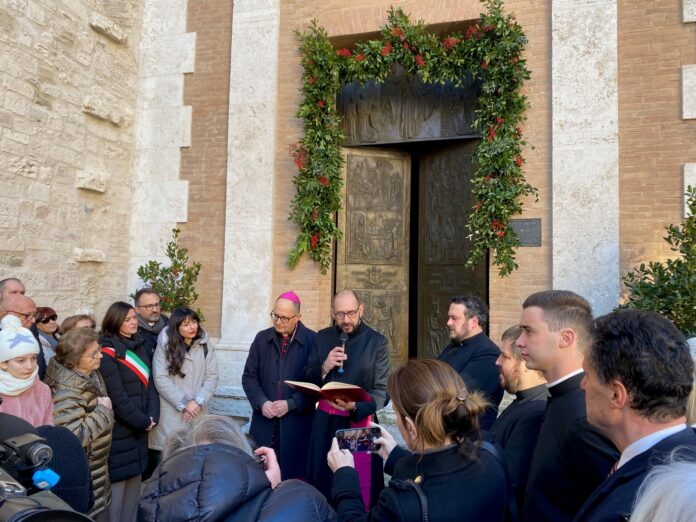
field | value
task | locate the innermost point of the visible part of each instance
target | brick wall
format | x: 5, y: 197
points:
x: 68, y: 73
x: 654, y: 141
x: 204, y: 163
x: 342, y: 18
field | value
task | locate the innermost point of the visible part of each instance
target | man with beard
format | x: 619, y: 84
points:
x: 517, y: 428
x: 148, y: 306
x: 472, y: 353
x: 364, y: 362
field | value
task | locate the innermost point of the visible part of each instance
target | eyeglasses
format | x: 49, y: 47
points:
x: 27, y: 317
x: 49, y: 319
x: 281, y: 318
x: 150, y: 307
x: 93, y: 355
x: 342, y: 315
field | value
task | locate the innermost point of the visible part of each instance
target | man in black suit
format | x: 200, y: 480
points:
x: 638, y: 376
x: 517, y: 428
x: 472, y: 353
x: 571, y: 458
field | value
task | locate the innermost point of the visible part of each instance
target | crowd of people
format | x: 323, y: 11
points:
x: 600, y: 428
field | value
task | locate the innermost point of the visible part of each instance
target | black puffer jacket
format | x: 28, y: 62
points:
x: 133, y: 403
x: 221, y: 483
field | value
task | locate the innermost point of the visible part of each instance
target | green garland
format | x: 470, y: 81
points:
x: 491, y: 51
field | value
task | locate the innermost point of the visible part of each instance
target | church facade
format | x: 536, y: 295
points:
x: 122, y: 120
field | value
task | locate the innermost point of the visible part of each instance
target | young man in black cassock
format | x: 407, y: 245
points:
x: 571, y: 458
x: 517, y: 427
x: 282, y: 417
x: 365, y: 363
x: 472, y: 353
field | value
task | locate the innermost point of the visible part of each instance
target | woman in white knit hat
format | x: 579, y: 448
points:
x: 21, y: 391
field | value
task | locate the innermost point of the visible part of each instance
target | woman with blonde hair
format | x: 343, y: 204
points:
x: 81, y: 405
x: 446, y: 475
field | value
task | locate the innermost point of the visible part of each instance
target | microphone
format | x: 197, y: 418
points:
x: 343, y: 338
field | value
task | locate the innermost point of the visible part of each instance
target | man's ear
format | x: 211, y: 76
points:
x: 620, y: 396
x: 567, y: 337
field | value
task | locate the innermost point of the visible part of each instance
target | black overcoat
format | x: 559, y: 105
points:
x: 133, y: 405
x: 262, y: 380
x: 613, y: 500
x: 457, y: 488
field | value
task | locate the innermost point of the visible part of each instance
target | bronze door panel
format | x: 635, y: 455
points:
x: 444, y: 206
x: 373, y: 257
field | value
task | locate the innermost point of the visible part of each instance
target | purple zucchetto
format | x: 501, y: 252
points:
x: 290, y: 296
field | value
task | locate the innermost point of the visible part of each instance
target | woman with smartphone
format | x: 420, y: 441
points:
x: 446, y: 475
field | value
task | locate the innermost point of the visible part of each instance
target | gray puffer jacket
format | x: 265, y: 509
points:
x: 221, y: 483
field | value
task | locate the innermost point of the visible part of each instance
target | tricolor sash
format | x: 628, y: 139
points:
x: 133, y: 362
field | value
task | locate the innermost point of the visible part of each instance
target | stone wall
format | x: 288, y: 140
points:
x: 67, y: 105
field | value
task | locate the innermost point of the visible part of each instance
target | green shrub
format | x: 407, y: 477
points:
x: 669, y: 287
x: 175, y: 283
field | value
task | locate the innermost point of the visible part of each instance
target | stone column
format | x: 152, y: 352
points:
x: 585, y: 144
x: 250, y: 172
x: 689, y: 95
x: 163, y: 126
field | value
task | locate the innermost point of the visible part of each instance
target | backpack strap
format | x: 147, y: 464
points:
x: 403, y: 485
x: 511, y: 514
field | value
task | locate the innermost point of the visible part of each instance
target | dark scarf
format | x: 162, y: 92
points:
x: 156, y: 328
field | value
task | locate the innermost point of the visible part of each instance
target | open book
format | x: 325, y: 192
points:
x: 331, y: 391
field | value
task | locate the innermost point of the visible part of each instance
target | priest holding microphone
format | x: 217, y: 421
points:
x: 350, y: 352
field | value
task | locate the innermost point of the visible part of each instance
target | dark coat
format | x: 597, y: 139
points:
x: 217, y: 483
x: 367, y: 366
x: 474, y: 359
x: 613, y: 500
x: 571, y: 458
x: 457, y: 488
x: 517, y: 431
x: 262, y: 380
x: 133, y: 405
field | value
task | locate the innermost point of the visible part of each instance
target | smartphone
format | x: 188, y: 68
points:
x: 359, y: 439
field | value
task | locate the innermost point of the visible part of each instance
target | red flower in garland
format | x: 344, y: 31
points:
x: 324, y: 180
x: 315, y: 215
x: 397, y: 31
x: 321, y: 104
x: 498, y: 227
x: 518, y: 132
x: 315, y: 240
x: 488, y: 28
x: 387, y: 49
x: 518, y: 161
x: 405, y: 46
x: 484, y: 65
x: 359, y: 57
x: 491, y: 133
x: 471, y: 32
x: 344, y: 52
x: 449, y: 42
x: 499, y: 120
x: 500, y: 233
x: 311, y: 80
x: 420, y: 61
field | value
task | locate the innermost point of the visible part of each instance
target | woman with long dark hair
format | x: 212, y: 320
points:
x: 448, y: 474
x: 126, y: 370
x: 186, y: 373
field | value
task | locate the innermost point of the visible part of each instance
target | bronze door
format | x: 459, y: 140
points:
x: 444, y: 206
x: 373, y: 257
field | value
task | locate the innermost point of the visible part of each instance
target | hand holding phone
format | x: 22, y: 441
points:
x: 359, y: 439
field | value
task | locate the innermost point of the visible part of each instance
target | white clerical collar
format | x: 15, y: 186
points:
x: 641, y: 445
x: 564, y: 378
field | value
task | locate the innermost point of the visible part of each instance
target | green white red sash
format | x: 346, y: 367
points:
x: 133, y: 362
